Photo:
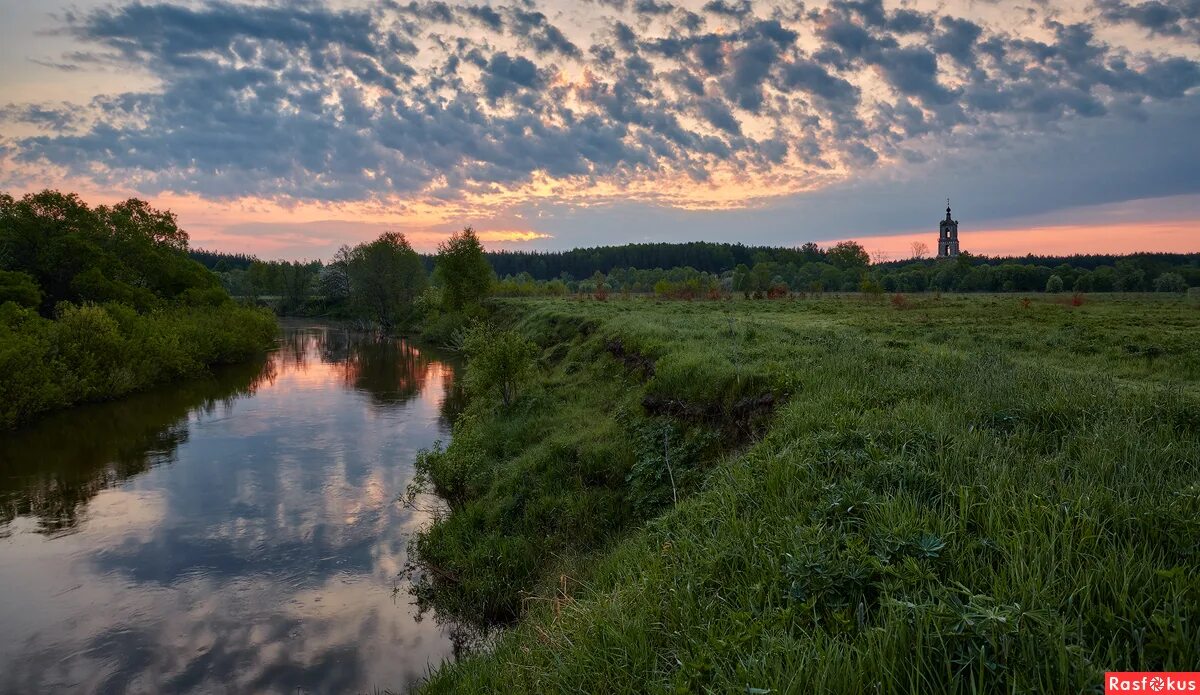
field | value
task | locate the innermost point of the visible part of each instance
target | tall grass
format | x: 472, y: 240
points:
x: 960, y: 495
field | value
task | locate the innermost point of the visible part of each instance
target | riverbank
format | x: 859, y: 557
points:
x: 940, y: 494
x: 98, y: 302
x: 101, y: 352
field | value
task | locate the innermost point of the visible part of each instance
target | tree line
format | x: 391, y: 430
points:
x: 96, y: 302
x: 701, y: 269
x: 383, y: 281
x: 846, y: 267
x: 720, y: 258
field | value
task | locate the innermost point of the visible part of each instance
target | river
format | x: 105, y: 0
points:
x: 237, y: 534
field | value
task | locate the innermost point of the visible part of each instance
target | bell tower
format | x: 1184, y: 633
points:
x: 948, y: 235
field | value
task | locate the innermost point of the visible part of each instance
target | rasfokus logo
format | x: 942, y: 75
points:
x: 1151, y: 682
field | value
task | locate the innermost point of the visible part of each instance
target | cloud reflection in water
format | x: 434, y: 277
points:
x: 240, y: 532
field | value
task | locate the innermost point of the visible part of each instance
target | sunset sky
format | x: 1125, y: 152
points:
x: 286, y: 129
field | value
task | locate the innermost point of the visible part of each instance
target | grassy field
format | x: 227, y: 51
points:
x: 932, y: 494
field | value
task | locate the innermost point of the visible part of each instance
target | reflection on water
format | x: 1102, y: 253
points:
x: 235, y: 534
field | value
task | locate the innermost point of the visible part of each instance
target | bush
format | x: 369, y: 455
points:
x: 1054, y: 284
x: 88, y: 340
x: 20, y: 288
x: 497, y: 361
x: 1170, y: 282
x: 97, y: 352
x: 870, y: 287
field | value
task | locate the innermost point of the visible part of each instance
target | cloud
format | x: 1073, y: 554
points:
x: 719, y: 115
x: 487, y: 16
x: 652, y: 7
x: 811, y: 77
x: 750, y: 66
x: 42, y: 116
x: 957, y: 39
x: 541, y: 34
x: 504, y: 74
x: 738, y: 9
x: 448, y: 105
x: 1158, y: 17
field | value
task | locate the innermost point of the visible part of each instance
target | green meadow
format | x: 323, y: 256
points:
x: 983, y: 493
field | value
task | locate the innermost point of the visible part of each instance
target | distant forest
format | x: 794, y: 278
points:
x: 717, y: 258
x: 704, y: 268
x: 220, y: 261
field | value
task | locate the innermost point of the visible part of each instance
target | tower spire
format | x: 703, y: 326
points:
x: 948, y: 235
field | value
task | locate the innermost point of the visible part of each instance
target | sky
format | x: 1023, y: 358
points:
x: 286, y: 129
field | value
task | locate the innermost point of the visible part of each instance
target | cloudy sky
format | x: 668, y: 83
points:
x: 288, y: 128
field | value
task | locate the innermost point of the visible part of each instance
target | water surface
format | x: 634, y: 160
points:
x: 234, y: 534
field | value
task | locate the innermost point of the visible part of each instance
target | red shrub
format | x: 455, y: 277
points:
x: 899, y: 301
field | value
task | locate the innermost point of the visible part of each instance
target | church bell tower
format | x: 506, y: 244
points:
x: 948, y: 236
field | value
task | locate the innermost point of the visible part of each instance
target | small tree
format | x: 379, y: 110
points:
x: 848, y: 255
x: 919, y: 250
x: 333, y: 284
x: 386, y: 276
x: 1129, y: 276
x: 1170, y: 282
x: 462, y: 270
x: 1054, y: 284
x: 759, y: 281
x: 497, y: 361
x: 600, y: 280
x: 741, y: 279
x: 297, y: 280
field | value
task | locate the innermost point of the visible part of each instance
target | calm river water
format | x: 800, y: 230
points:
x: 238, y: 534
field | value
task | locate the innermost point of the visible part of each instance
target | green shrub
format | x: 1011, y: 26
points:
x: 1170, y: 282
x: 97, y: 352
x: 20, y: 288
x: 88, y: 339
x: 498, y: 361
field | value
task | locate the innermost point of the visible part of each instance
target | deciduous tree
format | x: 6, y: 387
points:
x: 848, y: 255
x: 462, y: 270
x: 386, y: 275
